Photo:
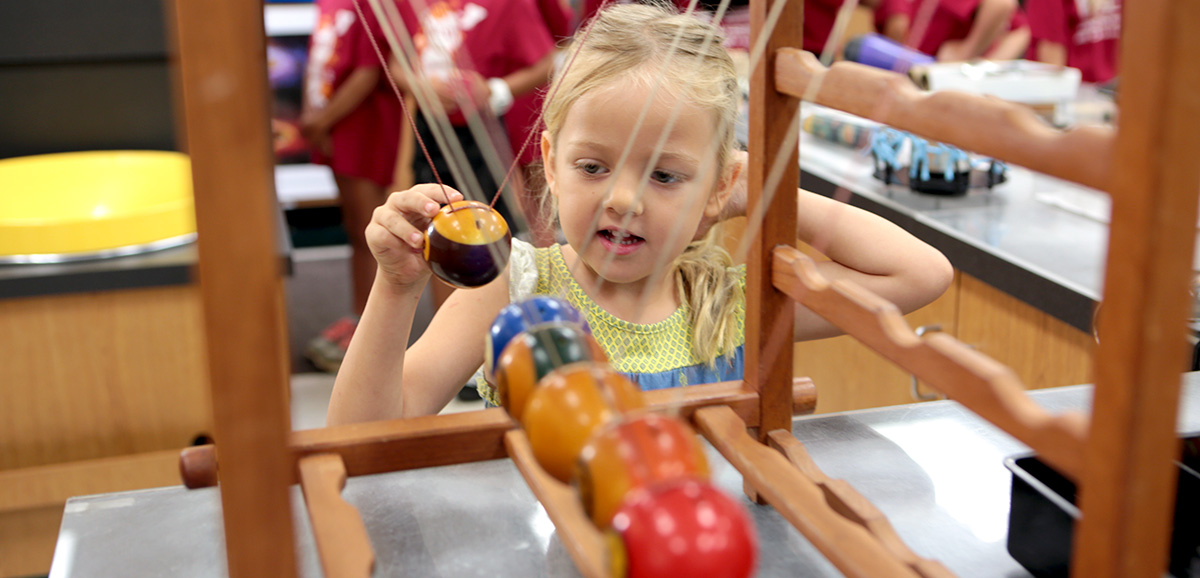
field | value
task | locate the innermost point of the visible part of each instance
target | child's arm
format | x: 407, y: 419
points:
x: 1051, y: 52
x: 990, y: 20
x: 379, y: 379
x: 1011, y: 45
x: 870, y: 251
x: 862, y: 247
x: 316, y: 124
x: 526, y: 79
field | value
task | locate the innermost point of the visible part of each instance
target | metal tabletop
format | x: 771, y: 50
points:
x: 934, y: 469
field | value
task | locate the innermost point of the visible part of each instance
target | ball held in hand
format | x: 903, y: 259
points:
x: 467, y: 244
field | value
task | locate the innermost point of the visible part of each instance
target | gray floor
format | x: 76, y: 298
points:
x: 318, y: 293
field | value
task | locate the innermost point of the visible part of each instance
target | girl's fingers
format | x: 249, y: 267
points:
x: 395, y: 223
x: 406, y: 214
x: 423, y: 200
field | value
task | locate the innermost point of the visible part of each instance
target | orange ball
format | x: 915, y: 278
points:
x: 533, y: 354
x: 568, y: 406
x: 634, y: 453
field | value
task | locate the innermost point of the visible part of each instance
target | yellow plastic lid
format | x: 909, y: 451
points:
x: 93, y: 202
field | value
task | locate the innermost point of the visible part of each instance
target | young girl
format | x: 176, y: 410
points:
x: 634, y: 184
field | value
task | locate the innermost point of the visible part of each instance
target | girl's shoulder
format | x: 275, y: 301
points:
x: 522, y: 270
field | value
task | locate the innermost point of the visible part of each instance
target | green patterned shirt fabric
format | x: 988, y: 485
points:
x: 655, y: 356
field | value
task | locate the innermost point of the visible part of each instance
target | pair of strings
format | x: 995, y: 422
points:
x: 403, y: 49
x: 483, y: 126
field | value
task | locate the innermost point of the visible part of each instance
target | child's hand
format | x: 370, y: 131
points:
x: 953, y: 51
x: 466, y: 86
x: 315, y: 132
x: 396, y: 234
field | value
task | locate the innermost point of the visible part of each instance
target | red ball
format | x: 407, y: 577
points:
x: 686, y: 528
x: 467, y: 244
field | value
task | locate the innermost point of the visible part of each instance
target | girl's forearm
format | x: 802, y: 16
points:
x: 872, y: 251
x: 368, y: 384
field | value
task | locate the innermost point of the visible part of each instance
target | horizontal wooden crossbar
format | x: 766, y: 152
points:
x: 980, y: 124
x: 440, y: 440
x: 978, y: 382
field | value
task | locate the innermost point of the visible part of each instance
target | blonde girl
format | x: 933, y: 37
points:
x: 639, y: 164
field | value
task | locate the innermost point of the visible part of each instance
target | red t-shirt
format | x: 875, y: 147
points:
x: 522, y: 119
x: 491, y: 37
x: 1090, y: 36
x: 365, y: 141
x: 819, y: 16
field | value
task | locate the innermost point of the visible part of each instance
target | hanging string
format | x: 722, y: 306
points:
x: 400, y: 96
x: 537, y: 123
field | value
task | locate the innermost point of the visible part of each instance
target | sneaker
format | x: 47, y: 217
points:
x: 327, y: 350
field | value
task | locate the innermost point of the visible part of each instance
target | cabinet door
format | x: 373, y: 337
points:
x: 95, y: 375
x: 1043, y: 351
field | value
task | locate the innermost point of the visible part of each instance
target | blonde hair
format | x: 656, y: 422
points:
x: 681, y: 54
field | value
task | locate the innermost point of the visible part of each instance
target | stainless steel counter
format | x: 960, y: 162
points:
x: 934, y: 469
x: 1037, y: 238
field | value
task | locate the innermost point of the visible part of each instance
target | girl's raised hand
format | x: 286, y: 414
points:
x: 396, y: 234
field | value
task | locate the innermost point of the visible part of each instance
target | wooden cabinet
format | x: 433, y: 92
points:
x: 1043, y: 351
x: 99, y: 393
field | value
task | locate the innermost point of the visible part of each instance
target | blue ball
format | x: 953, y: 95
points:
x: 524, y: 315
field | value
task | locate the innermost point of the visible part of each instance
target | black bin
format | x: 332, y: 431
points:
x: 1043, y: 513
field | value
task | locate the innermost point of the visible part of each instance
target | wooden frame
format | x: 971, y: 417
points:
x: 1150, y: 167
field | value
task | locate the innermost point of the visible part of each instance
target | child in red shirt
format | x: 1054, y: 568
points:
x: 351, y: 120
x: 1083, y: 34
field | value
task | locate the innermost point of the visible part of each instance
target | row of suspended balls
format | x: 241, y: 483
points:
x: 642, y: 478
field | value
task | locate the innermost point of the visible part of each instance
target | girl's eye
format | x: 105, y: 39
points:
x: 665, y: 177
x: 589, y: 168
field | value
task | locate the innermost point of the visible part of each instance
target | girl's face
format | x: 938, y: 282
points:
x: 623, y: 224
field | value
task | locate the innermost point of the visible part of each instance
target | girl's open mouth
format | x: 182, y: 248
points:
x: 619, y: 242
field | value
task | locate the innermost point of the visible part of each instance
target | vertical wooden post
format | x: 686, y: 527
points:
x: 222, y: 50
x: 1129, y: 481
x: 769, y: 313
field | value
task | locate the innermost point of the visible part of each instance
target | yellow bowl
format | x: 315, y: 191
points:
x: 67, y: 206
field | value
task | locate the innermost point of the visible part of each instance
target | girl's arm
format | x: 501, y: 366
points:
x: 379, y: 379
x: 862, y: 247
x: 451, y: 349
x: 870, y: 251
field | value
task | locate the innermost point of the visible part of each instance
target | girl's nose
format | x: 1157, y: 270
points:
x: 625, y: 198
